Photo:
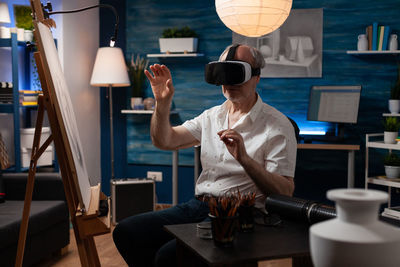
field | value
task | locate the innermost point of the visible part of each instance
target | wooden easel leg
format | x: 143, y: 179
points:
x: 29, y: 186
x: 87, y: 252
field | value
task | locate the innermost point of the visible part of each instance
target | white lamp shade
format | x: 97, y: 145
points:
x: 4, y: 13
x: 110, y: 68
x: 253, y: 18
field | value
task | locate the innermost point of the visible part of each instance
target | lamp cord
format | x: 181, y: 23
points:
x: 113, y: 38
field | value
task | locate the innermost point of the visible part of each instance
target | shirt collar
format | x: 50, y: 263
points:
x: 252, y: 114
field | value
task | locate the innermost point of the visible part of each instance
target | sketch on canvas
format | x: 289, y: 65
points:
x: 293, y: 50
x: 67, y: 111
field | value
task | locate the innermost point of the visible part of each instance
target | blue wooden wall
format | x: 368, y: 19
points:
x: 343, y: 21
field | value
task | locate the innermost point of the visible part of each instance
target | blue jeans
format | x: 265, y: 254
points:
x: 142, y: 241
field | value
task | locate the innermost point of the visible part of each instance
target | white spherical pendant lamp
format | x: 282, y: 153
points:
x: 253, y: 18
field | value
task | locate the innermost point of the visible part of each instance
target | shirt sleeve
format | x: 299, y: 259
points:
x: 194, y: 126
x: 281, y: 150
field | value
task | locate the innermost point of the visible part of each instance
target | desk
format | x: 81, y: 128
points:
x: 350, y: 158
x: 265, y: 243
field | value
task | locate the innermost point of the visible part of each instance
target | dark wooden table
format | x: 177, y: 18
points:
x: 289, y: 240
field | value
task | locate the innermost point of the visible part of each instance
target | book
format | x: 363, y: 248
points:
x: 368, y: 31
x: 392, y: 211
x: 29, y: 103
x: 381, y: 29
x: 28, y: 98
x: 374, y: 36
x: 386, y: 35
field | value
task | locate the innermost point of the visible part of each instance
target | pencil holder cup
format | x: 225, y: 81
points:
x: 246, y: 218
x: 224, y: 230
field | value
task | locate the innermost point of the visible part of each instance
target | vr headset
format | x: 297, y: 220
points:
x: 230, y: 71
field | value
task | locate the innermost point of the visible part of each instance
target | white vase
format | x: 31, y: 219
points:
x: 392, y: 171
x: 362, y: 43
x: 390, y: 137
x: 393, y: 43
x: 394, y: 106
x: 356, y: 237
x: 28, y: 36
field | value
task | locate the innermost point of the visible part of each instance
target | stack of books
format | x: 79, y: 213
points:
x: 28, y: 97
x: 392, y: 212
x: 378, y: 37
x: 6, y: 92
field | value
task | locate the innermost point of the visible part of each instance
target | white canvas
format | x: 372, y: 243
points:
x: 67, y: 111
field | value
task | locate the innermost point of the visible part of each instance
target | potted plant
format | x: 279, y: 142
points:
x: 23, y: 20
x: 138, y: 79
x: 394, y: 101
x: 391, y: 126
x: 392, y: 165
x: 178, y: 40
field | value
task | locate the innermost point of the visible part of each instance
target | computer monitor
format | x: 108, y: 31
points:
x: 334, y: 103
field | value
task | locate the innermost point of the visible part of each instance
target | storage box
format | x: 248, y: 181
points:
x: 46, y: 159
x: 130, y: 197
x: 27, y: 135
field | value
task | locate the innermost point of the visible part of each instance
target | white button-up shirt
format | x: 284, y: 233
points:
x: 269, y: 139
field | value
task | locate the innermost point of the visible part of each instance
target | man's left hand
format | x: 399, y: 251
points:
x: 234, y: 143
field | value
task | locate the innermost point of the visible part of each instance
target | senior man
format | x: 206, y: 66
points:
x: 245, y: 144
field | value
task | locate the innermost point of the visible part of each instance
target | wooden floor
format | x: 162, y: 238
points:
x: 110, y: 257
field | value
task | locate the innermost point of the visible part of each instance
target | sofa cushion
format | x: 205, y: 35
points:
x: 43, y: 215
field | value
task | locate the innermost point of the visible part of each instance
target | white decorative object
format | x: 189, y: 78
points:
x: 265, y: 50
x: 362, y: 43
x: 28, y: 36
x: 390, y: 137
x: 356, y: 237
x: 394, y: 106
x: 20, y: 34
x: 393, y: 42
x: 178, y: 45
x: 253, y: 18
x: 392, y: 171
x: 5, y: 32
x: 137, y: 103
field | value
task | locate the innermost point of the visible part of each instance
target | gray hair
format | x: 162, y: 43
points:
x: 259, y: 61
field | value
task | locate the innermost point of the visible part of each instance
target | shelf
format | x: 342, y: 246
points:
x: 372, y: 52
x: 132, y: 111
x: 176, y: 55
x: 391, y: 114
x: 384, y: 181
x: 381, y: 144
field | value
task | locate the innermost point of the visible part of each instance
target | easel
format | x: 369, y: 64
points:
x: 86, y: 223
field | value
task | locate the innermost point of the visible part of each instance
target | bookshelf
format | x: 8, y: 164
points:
x: 373, y: 52
x: 176, y: 55
x: 380, y: 180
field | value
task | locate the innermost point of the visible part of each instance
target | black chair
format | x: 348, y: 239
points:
x: 296, y: 129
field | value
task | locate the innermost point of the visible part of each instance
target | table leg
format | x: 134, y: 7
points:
x: 302, y: 261
x: 350, y: 169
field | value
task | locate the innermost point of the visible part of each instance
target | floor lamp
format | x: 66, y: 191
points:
x: 110, y: 71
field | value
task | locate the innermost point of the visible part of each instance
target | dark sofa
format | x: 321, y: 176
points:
x: 48, y: 230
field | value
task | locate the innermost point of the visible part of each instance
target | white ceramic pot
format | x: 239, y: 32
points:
x: 394, y: 106
x: 356, y: 237
x: 392, y: 171
x: 178, y: 45
x: 28, y: 36
x: 20, y: 34
x: 5, y: 32
x: 137, y: 103
x: 390, y: 137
